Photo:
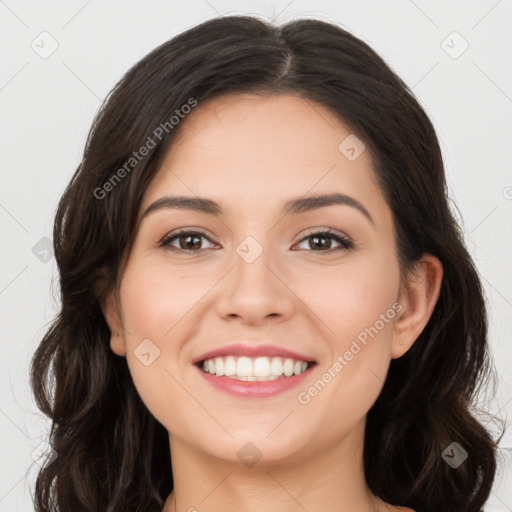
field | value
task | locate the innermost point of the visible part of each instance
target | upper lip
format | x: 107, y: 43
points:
x: 252, y: 350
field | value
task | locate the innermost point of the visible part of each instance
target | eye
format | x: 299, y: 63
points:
x: 321, y: 241
x: 188, y: 241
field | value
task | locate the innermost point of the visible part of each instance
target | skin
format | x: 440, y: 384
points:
x: 251, y: 153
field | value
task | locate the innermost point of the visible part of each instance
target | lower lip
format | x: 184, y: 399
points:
x: 254, y: 389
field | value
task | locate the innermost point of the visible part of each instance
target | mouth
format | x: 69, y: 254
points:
x: 254, y: 369
x: 254, y: 377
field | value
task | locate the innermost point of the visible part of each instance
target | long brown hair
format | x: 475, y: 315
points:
x: 112, y: 454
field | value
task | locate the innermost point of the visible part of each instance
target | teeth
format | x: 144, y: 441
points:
x: 229, y: 367
x: 254, y: 369
x: 243, y: 367
x: 261, y: 367
x: 276, y: 366
x: 288, y: 367
x: 219, y: 366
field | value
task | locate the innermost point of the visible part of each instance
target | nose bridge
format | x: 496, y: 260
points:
x: 253, y: 290
x: 251, y: 273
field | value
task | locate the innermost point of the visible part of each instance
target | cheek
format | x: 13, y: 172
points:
x: 358, y: 304
x: 151, y: 358
x: 158, y: 305
x: 155, y: 297
x: 355, y: 298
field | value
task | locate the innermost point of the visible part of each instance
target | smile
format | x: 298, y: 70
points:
x: 259, y: 377
x: 254, y: 369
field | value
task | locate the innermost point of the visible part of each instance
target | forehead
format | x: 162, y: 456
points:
x: 259, y: 150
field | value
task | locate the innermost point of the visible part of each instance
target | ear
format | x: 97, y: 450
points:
x: 418, y: 297
x: 113, y: 318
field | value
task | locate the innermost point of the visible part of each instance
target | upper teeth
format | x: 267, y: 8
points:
x: 259, y: 368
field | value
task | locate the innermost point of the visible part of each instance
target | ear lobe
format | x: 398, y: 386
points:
x: 418, y: 297
x: 113, y: 319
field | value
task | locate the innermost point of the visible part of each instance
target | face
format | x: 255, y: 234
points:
x: 259, y: 276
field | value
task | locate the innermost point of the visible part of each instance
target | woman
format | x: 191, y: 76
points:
x: 266, y: 301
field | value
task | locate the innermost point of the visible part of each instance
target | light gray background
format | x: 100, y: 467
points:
x: 47, y: 106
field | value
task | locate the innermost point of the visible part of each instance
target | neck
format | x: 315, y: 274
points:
x: 331, y: 480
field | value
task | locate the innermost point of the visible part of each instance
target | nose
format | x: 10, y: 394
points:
x: 255, y: 291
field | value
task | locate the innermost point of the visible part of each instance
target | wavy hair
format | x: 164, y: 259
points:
x: 112, y: 454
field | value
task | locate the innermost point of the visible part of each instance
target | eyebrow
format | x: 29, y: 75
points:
x: 290, y: 207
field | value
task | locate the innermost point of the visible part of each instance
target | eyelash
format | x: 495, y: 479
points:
x: 345, y: 243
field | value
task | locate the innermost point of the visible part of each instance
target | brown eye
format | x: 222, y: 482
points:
x: 187, y: 241
x: 322, y: 242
